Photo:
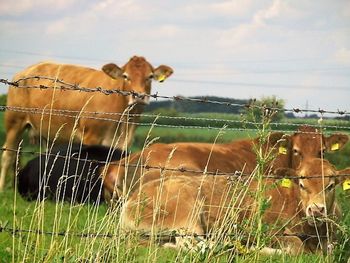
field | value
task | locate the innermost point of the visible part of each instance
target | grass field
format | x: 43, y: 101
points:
x: 64, y: 217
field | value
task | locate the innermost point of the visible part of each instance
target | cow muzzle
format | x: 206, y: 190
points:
x: 315, y: 213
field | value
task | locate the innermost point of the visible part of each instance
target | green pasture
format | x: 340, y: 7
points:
x: 48, y: 216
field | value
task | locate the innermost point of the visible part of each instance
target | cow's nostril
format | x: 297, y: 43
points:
x: 321, y: 209
x: 309, y: 211
x: 315, y: 210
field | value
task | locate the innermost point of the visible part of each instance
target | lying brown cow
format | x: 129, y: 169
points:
x: 205, y: 205
x: 235, y: 156
x: 136, y: 75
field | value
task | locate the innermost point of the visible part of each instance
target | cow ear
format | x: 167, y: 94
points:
x: 280, y: 141
x: 287, y: 174
x: 336, y: 141
x: 343, y: 177
x: 112, y: 70
x: 162, y: 72
x: 276, y: 138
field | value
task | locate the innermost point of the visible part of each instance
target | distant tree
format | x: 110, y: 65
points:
x: 290, y: 115
x: 269, y: 107
x: 345, y: 118
x: 228, y: 105
x: 311, y: 116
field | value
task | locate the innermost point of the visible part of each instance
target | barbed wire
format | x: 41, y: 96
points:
x: 81, y: 114
x: 58, y: 113
x: 87, y: 114
x: 75, y: 87
x: 169, y: 169
x: 142, y: 234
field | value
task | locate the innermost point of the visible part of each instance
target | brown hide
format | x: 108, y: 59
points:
x: 230, y: 157
x: 207, y: 204
x: 235, y: 156
x: 136, y: 75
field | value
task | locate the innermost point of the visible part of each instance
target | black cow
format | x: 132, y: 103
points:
x: 67, y: 173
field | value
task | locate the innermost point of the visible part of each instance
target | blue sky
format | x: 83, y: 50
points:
x: 297, y: 50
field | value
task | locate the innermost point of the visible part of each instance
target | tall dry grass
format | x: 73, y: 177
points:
x: 71, y: 232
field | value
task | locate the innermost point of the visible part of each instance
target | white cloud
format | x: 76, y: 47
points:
x: 345, y: 10
x: 282, y: 10
x: 246, y: 32
x: 272, y: 11
x: 20, y: 7
x: 119, y: 9
x: 162, y: 31
x: 231, y: 8
x: 15, y: 7
x: 59, y: 26
x: 238, y: 35
x: 200, y: 39
x: 104, y: 14
x: 343, y: 56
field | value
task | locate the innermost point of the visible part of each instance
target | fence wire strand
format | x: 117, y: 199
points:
x: 74, y: 87
x: 236, y: 174
x: 142, y: 234
x: 93, y: 115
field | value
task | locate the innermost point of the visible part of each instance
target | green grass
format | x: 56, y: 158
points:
x: 63, y: 217
x: 170, y: 135
x: 218, y: 120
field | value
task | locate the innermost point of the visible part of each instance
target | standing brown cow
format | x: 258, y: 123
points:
x: 204, y: 205
x: 136, y: 75
x: 305, y: 143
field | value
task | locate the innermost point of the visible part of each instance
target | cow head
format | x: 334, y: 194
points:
x: 308, y: 142
x: 315, y: 184
x: 137, y: 75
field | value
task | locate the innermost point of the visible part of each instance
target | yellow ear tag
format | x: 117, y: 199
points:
x: 282, y: 150
x: 346, y: 184
x: 161, y: 78
x: 287, y: 183
x: 335, y: 147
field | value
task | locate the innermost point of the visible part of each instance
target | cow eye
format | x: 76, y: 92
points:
x: 301, y: 185
x: 321, y: 153
x: 295, y: 152
x: 125, y: 76
x: 330, y: 186
x: 151, y: 76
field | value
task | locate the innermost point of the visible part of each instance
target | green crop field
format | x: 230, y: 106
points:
x: 61, y: 225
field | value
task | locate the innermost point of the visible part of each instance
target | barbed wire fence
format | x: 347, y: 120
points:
x: 64, y: 86
x: 94, y: 115
x: 169, y: 234
x: 115, y: 117
x: 164, y: 168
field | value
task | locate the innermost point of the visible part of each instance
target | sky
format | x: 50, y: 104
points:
x: 296, y: 50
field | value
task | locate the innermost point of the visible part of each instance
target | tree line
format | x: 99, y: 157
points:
x: 174, y: 107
